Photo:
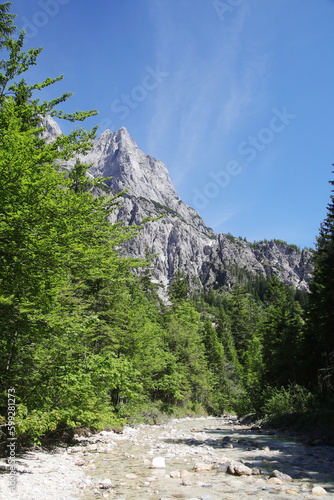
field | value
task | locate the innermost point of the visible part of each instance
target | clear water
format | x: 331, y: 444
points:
x: 186, y: 442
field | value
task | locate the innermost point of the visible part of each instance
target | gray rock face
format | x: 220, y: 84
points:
x: 180, y: 238
x: 52, y: 129
x: 230, y: 256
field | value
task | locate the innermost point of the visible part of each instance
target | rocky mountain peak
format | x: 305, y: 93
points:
x: 181, y: 240
x: 52, y: 129
x: 115, y: 154
x: 123, y: 138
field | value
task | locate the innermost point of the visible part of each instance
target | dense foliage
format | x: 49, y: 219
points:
x: 84, y: 340
x: 320, y: 332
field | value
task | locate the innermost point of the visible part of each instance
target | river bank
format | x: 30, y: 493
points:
x: 204, y: 458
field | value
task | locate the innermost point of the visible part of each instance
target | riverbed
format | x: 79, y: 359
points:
x: 195, y: 456
x: 204, y: 458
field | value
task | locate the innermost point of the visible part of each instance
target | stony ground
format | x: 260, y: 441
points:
x: 195, y: 459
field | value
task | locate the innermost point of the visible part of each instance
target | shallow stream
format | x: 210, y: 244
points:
x: 209, y: 443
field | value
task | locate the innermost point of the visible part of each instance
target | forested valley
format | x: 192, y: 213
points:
x: 86, y: 339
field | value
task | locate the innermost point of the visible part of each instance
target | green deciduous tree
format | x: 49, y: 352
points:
x: 7, y: 27
x: 56, y: 246
x: 184, y: 341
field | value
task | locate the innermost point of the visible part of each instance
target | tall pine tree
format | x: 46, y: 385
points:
x: 320, y: 337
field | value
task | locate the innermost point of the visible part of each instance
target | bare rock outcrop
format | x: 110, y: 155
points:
x: 180, y: 239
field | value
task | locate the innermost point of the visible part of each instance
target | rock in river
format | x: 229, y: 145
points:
x: 239, y: 469
x: 318, y: 491
x: 158, y: 463
x: 280, y: 475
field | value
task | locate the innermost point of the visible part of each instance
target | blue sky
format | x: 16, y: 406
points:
x: 234, y: 96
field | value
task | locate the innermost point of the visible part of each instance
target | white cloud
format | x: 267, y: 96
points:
x: 207, y: 92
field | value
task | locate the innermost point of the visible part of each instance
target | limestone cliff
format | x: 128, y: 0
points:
x: 181, y: 239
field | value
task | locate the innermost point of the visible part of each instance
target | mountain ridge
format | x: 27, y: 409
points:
x: 181, y: 240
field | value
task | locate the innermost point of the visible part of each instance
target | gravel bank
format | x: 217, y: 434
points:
x: 42, y: 476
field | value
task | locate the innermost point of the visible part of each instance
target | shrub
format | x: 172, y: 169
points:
x: 288, y: 400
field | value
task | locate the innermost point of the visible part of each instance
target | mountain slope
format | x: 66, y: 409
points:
x: 181, y: 239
